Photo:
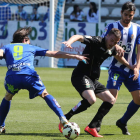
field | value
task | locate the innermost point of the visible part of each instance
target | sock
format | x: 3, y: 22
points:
x: 131, y: 110
x: 102, y: 111
x: 4, y: 109
x: 53, y: 104
x: 80, y: 107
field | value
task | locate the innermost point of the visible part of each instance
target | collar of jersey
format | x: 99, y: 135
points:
x: 123, y: 26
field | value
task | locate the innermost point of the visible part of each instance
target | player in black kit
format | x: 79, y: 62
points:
x: 85, y: 76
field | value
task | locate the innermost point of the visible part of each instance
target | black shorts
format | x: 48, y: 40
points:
x: 82, y: 83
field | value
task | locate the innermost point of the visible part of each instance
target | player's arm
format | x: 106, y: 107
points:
x: 60, y: 54
x: 137, y: 66
x: 73, y: 39
x: 123, y: 61
x: 120, y: 51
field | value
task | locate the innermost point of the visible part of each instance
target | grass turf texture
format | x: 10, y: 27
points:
x: 34, y: 120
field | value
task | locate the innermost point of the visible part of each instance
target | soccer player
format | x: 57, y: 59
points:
x: 118, y: 73
x: 21, y: 74
x: 85, y: 76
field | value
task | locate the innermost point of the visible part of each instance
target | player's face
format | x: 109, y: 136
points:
x: 127, y: 16
x: 111, y: 40
x: 26, y: 40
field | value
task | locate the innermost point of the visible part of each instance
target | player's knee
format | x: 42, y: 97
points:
x: 44, y: 93
x: 8, y: 96
x: 91, y: 100
x: 111, y: 100
x: 137, y: 101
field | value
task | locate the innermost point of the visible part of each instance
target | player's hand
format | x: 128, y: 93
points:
x: 82, y: 58
x: 136, y: 73
x: 67, y: 44
x: 120, y: 50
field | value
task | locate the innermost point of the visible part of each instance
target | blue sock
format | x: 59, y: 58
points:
x: 4, y: 109
x: 131, y: 110
x: 53, y: 104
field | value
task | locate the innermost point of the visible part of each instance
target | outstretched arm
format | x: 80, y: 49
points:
x: 60, y: 54
x: 73, y: 39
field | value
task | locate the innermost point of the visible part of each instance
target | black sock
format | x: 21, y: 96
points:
x: 80, y: 107
x: 102, y: 111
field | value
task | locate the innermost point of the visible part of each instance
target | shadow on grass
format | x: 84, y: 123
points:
x: 35, y: 134
x: 100, y: 134
x: 121, y: 103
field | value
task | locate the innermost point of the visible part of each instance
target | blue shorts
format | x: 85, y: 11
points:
x: 13, y: 83
x: 116, y: 77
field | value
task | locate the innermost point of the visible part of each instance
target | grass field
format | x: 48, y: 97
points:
x: 34, y: 120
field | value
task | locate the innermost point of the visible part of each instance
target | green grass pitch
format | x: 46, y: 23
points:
x: 34, y: 120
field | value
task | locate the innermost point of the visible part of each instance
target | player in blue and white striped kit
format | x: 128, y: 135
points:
x: 118, y: 72
x: 21, y: 74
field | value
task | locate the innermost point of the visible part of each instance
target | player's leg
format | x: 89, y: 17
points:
x: 4, y: 109
x: 11, y: 84
x: 132, y: 107
x: 38, y: 89
x: 85, y: 87
x: 89, y: 98
x: 109, y: 100
x: 52, y: 103
x: 114, y: 82
x: 131, y: 110
x: 134, y: 88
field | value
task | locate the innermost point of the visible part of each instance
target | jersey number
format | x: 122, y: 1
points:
x: 18, y: 51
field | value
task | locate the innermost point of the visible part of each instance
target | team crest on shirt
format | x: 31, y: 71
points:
x: 132, y: 36
x: 87, y: 83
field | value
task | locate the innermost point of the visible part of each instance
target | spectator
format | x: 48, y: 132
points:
x: 21, y: 14
x: 5, y: 11
x: 92, y: 15
x: 34, y: 16
x: 77, y: 14
x: 46, y: 16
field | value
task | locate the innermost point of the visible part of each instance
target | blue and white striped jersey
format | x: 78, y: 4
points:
x: 130, y: 37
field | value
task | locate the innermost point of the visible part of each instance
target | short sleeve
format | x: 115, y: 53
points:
x: 87, y: 40
x: 40, y: 51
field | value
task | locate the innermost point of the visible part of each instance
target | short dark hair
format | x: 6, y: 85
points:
x: 129, y: 6
x: 20, y: 34
x: 115, y: 32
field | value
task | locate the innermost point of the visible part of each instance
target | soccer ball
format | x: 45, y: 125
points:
x: 71, y: 130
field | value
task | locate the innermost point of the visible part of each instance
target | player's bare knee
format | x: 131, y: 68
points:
x: 92, y: 100
x: 137, y: 101
x: 44, y: 93
x: 8, y: 96
x: 113, y: 100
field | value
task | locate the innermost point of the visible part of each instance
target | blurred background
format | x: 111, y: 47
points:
x: 55, y: 21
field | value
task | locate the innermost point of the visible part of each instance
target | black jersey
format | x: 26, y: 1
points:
x: 96, y: 48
